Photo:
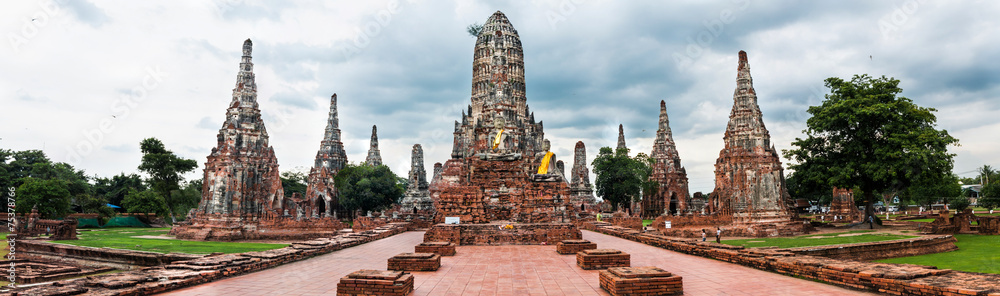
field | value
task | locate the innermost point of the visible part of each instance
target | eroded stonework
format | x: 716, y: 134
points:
x: 621, y: 138
x: 672, y: 196
x: 749, y: 181
x: 842, y: 207
x: 374, y: 156
x: 494, y: 170
x: 321, y: 192
x: 242, y: 197
x: 241, y: 174
x: 417, y: 198
x: 581, y: 191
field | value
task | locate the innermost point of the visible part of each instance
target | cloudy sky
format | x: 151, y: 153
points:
x: 86, y: 81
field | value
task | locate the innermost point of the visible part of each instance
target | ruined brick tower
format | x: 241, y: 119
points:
x: 241, y: 174
x: 621, y: 138
x: 749, y: 181
x: 498, y: 147
x: 581, y: 192
x: 417, y: 198
x: 321, y: 193
x: 374, y: 156
x: 672, y: 197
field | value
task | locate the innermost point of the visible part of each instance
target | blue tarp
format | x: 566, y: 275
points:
x: 114, y: 206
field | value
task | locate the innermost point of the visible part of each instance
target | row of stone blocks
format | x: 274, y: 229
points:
x: 602, y: 258
x: 376, y: 282
x: 635, y: 281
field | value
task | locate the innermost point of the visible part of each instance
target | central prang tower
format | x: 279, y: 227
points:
x: 501, y: 170
x: 497, y: 92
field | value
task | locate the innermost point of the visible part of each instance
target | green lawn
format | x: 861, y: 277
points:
x: 646, y: 222
x: 122, y: 238
x: 815, y: 239
x: 976, y: 253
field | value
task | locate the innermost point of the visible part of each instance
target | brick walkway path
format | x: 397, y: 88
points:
x: 510, y: 270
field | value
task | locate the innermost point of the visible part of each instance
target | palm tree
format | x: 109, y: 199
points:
x: 985, y: 173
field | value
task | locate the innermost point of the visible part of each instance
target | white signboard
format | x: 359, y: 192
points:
x: 451, y: 220
x: 667, y: 224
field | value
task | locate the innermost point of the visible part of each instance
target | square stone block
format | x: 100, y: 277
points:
x: 573, y: 246
x: 415, y: 262
x: 376, y: 282
x: 602, y: 258
x: 646, y: 280
x: 440, y: 248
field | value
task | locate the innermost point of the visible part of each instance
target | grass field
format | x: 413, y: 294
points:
x: 976, y: 253
x: 124, y: 238
x: 849, y: 237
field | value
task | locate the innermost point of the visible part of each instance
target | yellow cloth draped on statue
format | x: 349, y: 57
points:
x: 544, y: 168
x: 496, y: 140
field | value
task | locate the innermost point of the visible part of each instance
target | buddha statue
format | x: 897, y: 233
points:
x: 499, y: 146
x: 546, y: 162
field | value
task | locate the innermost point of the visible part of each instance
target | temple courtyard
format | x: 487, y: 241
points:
x: 510, y: 270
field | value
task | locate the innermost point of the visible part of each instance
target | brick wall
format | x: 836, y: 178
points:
x: 896, y: 279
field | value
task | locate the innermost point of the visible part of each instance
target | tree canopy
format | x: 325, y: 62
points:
x: 51, y: 196
x: 367, y: 188
x: 865, y: 136
x: 293, y: 182
x: 165, y: 170
x: 620, y: 178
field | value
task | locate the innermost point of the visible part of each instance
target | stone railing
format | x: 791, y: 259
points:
x: 897, y: 279
x: 180, y: 274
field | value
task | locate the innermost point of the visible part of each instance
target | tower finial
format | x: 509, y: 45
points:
x: 247, y: 47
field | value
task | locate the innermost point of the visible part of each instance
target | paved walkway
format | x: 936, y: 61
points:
x: 510, y: 270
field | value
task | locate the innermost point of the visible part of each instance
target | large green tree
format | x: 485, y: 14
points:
x: 927, y: 191
x: 293, y: 182
x: 147, y: 201
x: 367, y: 188
x: 51, y: 196
x: 865, y: 136
x: 165, y: 170
x: 115, y: 188
x: 621, y: 179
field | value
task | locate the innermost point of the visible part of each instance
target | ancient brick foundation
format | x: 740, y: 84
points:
x: 440, y: 248
x: 602, y: 258
x: 107, y: 257
x: 627, y: 222
x: 573, y: 246
x: 647, y: 280
x: 897, y: 279
x: 376, y: 282
x: 187, y: 273
x: 498, y: 234
x: 34, y: 270
x: 691, y: 226
x: 881, y: 250
x: 217, y: 227
x: 415, y: 262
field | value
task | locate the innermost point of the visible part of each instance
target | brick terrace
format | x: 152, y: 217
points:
x: 510, y: 270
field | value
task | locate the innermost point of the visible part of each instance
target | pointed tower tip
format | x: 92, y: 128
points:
x: 663, y: 104
x: 743, y: 60
x: 374, y: 129
x: 247, y: 47
x: 620, y: 128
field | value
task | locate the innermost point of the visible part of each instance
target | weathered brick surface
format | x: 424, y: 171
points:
x: 646, y: 280
x: 498, y: 234
x: 573, y: 246
x: 376, y: 282
x: 895, y: 279
x: 882, y: 250
x: 180, y: 274
x: 602, y: 258
x: 415, y: 262
x: 671, y: 197
x: 440, y: 248
x: 70, y: 253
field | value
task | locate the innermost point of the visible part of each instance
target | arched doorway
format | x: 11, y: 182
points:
x: 673, y: 203
x: 320, y: 206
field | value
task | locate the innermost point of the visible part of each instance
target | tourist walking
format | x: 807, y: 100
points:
x: 718, y: 235
x: 703, y: 234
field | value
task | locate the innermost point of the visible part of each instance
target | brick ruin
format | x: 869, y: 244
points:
x: 493, y: 174
x: 842, y: 208
x: 581, y: 191
x: 321, y: 192
x: 417, y: 197
x: 242, y: 197
x: 621, y: 138
x: 672, y: 197
x: 374, y: 156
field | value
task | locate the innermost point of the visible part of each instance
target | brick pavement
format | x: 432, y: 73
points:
x: 510, y: 270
